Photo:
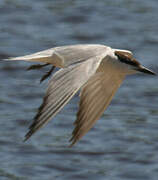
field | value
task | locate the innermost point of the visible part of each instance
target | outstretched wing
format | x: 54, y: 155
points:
x: 95, y: 97
x: 62, y: 87
x: 65, y: 55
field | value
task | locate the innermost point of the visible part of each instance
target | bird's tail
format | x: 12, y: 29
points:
x: 14, y: 58
x: 32, y: 58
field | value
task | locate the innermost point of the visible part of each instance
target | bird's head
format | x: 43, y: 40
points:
x: 126, y: 57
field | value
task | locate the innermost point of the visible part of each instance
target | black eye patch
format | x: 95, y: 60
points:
x: 126, y: 58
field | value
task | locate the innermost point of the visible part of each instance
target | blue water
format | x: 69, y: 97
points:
x: 123, y: 145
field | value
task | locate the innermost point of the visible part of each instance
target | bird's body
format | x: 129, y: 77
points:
x: 96, y: 70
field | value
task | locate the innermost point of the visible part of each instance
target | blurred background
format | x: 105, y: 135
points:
x: 124, y: 143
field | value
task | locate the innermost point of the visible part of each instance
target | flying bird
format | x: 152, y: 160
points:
x: 96, y: 70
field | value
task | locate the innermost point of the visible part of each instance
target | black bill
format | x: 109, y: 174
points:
x: 145, y: 70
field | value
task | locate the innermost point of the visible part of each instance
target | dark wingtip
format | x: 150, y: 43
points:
x: 71, y: 143
x: 36, y: 66
x: 25, y: 138
x: 45, y: 76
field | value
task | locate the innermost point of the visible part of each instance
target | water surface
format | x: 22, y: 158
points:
x: 124, y: 143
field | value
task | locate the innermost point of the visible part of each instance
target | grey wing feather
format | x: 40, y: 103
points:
x: 79, y: 53
x: 65, y: 56
x: 63, y: 85
x: 95, y: 97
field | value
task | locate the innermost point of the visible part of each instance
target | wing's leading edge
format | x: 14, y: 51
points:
x: 65, y: 56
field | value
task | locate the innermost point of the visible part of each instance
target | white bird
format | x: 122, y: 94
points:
x: 97, y: 70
